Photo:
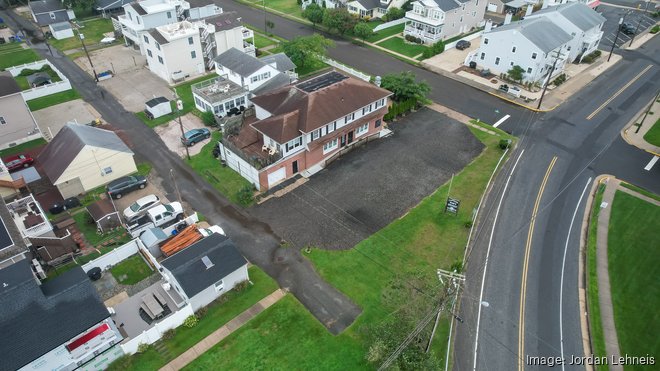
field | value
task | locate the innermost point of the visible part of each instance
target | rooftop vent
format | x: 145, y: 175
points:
x: 207, y: 262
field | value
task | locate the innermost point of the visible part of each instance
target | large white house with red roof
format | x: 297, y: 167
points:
x: 301, y: 127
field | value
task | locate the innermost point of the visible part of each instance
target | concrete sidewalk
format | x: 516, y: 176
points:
x: 637, y: 139
x: 218, y: 335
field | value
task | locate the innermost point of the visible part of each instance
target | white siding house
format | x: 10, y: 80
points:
x: 257, y: 75
x: 372, y: 8
x: 436, y: 20
x: 174, y: 51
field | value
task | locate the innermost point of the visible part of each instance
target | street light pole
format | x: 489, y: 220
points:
x: 616, y: 38
x: 547, y: 81
x: 263, y: 3
x: 638, y: 22
x: 179, y: 107
x: 82, y: 40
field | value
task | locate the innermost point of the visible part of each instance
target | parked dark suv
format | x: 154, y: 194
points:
x: 119, y: 187
x: 627, y: 28
x: 463, y: 44
x: 193, y: 136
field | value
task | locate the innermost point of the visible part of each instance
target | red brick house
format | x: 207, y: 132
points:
x: 301, y: 127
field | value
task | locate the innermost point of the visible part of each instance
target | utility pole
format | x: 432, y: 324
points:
x: 616, y: 38
x: 263, y: 3
x: 647, y: 112
x: 82, y: 40
x: 179, y: 107
x: 639, y: 21
x: 547, y: 81
x: 176, y: 187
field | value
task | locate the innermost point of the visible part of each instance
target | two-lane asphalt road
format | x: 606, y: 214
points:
x: 529, y: 303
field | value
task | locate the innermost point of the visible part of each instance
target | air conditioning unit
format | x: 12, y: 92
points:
x: 37, y: 268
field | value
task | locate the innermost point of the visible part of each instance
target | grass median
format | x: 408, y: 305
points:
x: 414, y: 246
x: 593, y: 305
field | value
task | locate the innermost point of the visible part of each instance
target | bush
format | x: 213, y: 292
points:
x: 191, y: 321
x: 169, y: 334
x: 241, y: 286
x: 208, y: 118
x: 560, y: 79
x: 201, y: 312
x: 142, y: 347
x: 505, y: 143
x: 655, y: 29
x: 245, y: 195
x: 591, y: 57
x: 433, y: 50
x: 468, y: 224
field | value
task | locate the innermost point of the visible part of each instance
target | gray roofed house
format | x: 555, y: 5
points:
x: 224, y: 21
x: 81, y: 158
x: 369, y: 4
x: 157, y: 36
x: 38, y: 319
x: 239, y: 62
x: 577, y: 13
x: 447, y: 5
x: 546, y: 35
x: 191, y: 269
x: 276, y: 82
x: 281, y: 60
x: 108, y: 5
x: 46, y: 12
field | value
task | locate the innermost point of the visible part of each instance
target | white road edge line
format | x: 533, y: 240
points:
x: 501, y: 121
x: 483, y: 278
x: 561, y: 284
x: 649, y: 166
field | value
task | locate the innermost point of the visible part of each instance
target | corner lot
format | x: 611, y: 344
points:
x: 368, y: 188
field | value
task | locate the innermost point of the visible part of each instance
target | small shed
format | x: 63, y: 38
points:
x: 39, y: 79
x: 61, y: 30
x: 157, y: 107
x: 104, y: 214
x: 151, y: 238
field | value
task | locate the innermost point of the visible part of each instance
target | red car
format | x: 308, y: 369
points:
x: 17, y: 162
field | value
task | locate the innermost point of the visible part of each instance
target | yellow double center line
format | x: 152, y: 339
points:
x: 523, y: 285
x: 594, y: 113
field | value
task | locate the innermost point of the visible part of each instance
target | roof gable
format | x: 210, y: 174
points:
x: 281, y: 60
x: 45, y: 6
x: 582, y: 16
x: 541, y: 32
x: 239, y: 62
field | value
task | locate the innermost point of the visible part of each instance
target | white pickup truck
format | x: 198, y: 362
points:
x: 160, y: 216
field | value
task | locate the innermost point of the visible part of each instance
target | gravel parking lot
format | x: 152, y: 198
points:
x: 368, y: 188
x: 171, y: 134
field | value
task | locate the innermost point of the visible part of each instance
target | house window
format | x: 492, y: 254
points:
x: 315, y: 134
x: 329, y: 146
x: 534, y: 55
x: 349, y: 118
x: 569, y: 48
x: 377, y: 124
x: 485, y: 41
x: 160, y: 59
x: 219, y: 286
x: 461, y: 20
x: 190, y: 40
x: 193, y: 55
x: 149, y: 53
x: 511, y: 63
x: 146, y: 39
x: 529, y: 69
x: 513, y: 50
x: 330, y: 127
x: 107, y: 170
x: 361, y: 129
x: 138, y: 20
x: 293, y: 144
x: 3, y: 121
x: 130, y: 16
x: 169, y: 15
x: 483, y: 55
x: 463, y: 8
x: 158, y: 46
x: 240, y: 101
x: 497, y: 61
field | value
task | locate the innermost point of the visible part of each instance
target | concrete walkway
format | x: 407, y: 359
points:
x: 218, y: 335
x: 637, y: 139
x: 604, y: 294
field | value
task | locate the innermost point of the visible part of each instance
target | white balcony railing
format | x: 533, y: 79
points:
x: 247, y: 33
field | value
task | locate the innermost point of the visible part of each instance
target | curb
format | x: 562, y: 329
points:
x: 631, y: 123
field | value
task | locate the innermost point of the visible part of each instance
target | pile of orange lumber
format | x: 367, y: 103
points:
x: 185, y: 238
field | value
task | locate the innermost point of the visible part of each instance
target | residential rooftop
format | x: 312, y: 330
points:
x: 218, y: 89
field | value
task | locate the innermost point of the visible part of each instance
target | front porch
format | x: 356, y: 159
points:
x: 427, y: 33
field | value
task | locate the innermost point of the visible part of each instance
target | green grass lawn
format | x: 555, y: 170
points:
x: 23, y: 81
x: 93, y: 30
x: 414, y: 246
x: 224, y: 179
x: 310, y: 69
x: 595, y: 321
x: 385, y: 33
x: 219, y: 312
x: 261, y: 41
x: 22, y: 147
x: 144, y: 168
x: 289, y: 7
x: 397, y: 44
x: 653, y: 135
x: 87, y: 227
x: 53, y: 99
x: 131, y: 271
x: 633, y: 256
x: 13, y: 54
x: 641, y: 190
x: 283, y: 337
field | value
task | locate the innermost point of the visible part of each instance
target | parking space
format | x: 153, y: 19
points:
x: 171, y: 134
x: 371, y: 186
x: 129, y: 198
x: 453, y: 59
x: 612, y: 16
x: 133, y: 83
x: 53, y: 118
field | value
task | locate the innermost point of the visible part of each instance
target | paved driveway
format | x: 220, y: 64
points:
x: 171, y: 134
x: 52, y: 119
x: 368, y: 188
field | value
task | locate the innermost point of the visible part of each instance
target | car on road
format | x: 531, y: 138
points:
x: 627, y: 28
x: 193, y: 136
x: 18, y: 162
x: 463, y: 44
x: 119, y: 187
x: 138, y: 207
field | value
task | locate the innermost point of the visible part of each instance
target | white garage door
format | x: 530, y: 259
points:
x: 276, y: 176
x: 492, y: 7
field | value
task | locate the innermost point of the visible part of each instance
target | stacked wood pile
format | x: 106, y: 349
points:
x: 185, y: 238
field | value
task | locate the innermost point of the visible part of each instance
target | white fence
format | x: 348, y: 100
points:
x: 390, y: 24
x: 475, y: 35
x: 348, y: 69
x: 45, y: 90
x: 113, y: 257
x: 240, y: 166
x: 153, y: 334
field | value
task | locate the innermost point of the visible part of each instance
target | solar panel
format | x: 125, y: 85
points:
x: 321, y: 82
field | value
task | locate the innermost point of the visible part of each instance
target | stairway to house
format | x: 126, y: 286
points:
x: 162, y: 349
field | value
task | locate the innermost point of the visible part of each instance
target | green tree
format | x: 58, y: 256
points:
x: 516, y: 73
x: 404, y: 87
x: 314, y: 14
x: 80, y: 4
x: 394, y: 14
x: 269, y: 26
x: 362, y: 30
x: 339, y: 19
x: 304, y: 50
